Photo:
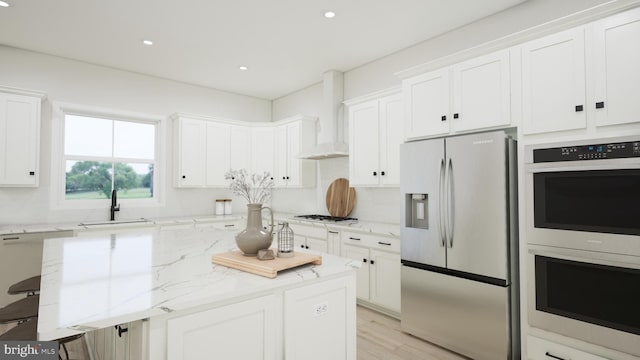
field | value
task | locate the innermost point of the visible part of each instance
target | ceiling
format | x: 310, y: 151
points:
x: 286, y: 44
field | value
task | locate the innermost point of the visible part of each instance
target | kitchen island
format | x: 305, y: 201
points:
x: 190, y: 306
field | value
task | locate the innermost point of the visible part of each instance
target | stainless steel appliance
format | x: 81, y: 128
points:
x: 583, y: 235
x: 459, y: 244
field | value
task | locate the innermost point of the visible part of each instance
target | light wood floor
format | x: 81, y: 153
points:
x: 380, y: 338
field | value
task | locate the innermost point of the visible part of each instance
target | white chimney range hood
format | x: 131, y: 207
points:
x: 331, y: 135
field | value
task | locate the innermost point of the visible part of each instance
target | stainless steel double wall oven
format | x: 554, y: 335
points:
x: 583, y: 235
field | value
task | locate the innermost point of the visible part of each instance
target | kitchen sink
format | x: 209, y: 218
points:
x: 114, y: 222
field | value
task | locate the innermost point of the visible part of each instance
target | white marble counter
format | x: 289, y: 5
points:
x: 99, y: 281
x: 361, y: 226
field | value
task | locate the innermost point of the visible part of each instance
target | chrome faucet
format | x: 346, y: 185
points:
x: 114, y: 207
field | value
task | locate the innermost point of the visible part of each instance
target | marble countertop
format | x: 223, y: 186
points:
x: 99, y: 281
x: 385, y: 229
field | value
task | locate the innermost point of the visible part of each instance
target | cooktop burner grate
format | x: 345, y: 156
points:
x: 327, y: 218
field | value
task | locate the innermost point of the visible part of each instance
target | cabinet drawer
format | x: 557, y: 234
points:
x: 309, y: 231
x: 373, y: 241
x: 35, y: 236
x: 541, y: 349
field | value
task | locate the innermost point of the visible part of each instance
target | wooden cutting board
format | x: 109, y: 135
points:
x: 340, y: 198
x: 267, y: 268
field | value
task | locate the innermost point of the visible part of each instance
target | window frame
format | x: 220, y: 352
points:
x: 59, y: 158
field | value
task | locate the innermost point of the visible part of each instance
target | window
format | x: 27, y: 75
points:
x: 100, y: 151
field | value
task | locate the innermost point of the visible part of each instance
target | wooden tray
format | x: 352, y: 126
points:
x: 267, y: 268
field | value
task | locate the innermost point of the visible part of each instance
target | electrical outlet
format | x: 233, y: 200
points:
x: 320, y: 309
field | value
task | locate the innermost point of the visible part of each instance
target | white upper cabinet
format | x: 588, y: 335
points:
x: 375, y: 134
x: 240, y: 147
x: 553, y: 83
x: 482, y: 92
x: 616, y: 68
x: 262, y: 149
x: 292, y: 137
x: 471, y: 95
x: 19, y: 137
x: 191, y: 151
x: 218, y: 159
x: 426, y: 103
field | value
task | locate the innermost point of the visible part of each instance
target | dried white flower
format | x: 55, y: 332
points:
x: 256, y: 189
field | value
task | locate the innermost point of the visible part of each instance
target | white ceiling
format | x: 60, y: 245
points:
x: 287, y: 44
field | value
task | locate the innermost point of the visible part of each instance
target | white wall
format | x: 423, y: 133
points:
x: 86, y: 84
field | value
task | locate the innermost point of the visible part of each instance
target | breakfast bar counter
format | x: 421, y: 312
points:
x: 167, y: 279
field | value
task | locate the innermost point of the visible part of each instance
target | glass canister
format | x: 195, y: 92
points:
x: 285, y: 241
x: 219, y: 207
x: 227, y: 206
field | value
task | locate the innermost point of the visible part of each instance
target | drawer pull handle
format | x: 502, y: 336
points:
x: 554, y: 357
x: 12, y: 238
x: 384, y: 243
x: 332, y: 232
x: 229, y: 225
x: 352, y: 238
x: 364, y: 261
x: 600, y: 105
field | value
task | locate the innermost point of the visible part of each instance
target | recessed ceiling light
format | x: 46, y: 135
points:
x: 4, y: 4
x: 243, y: 68
x: 147, y: 42
x: 329, y: 14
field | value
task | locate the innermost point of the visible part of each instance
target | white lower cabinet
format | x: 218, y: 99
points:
x: 122, y: 342
x: 207, y: 334
x: 378, y: 280
x: 541, y: 349
x: 310, y: 238
x: 319, y: 321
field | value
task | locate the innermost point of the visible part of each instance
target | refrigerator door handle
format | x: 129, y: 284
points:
x: 450, y: 204
x: 441, y: 192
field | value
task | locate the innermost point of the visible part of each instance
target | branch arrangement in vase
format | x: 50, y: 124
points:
x: 255, y: 188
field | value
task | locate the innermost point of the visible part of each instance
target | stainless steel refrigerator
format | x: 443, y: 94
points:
x: 459, y: 244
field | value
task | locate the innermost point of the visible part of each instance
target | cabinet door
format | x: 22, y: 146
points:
x: 385, y: 279
x: 262, y: 150
x: 319, y: 245
x: 363, y: 144
x: 319, y: 321
x: 281, y: 145
x: 192, y: 138
x: 390, y: 134
x: 481, y: 92
x: 362, y: 277
x: 206, y: 334
x: 333, y: 242
x: 240, y: 147
x: 553, y: 83
x: 616, y: 42
x: 218, y: 156
x: 426, y: 101
x: 19, y: 139
x: 294, y: 169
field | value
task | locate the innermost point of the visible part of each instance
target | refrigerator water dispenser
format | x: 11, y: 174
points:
x: 417, y: 214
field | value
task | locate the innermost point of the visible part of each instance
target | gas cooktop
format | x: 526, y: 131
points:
x: 328, y: 219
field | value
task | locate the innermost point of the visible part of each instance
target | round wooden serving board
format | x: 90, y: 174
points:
x: 340, y: 198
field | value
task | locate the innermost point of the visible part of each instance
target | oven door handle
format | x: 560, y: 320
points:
x: 585, y: 165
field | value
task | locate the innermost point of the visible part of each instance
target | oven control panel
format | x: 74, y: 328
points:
x: 617, y: 150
